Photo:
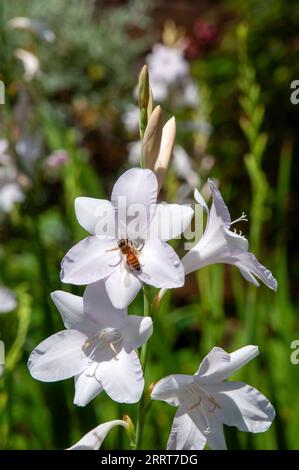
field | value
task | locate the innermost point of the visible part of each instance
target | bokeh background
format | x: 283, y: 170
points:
x: 68, y: 128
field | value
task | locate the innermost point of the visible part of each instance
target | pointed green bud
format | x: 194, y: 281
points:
x: 143, y: 88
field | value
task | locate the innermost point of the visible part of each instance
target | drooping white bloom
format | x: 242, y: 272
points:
x: 30, y: 63
x: 221, y: 245
x: 94, y: 439
x: 22, y: 22
x: 97, y: 348
x: 7, y: 300
x: 132, y: 215
x: 206, y: 401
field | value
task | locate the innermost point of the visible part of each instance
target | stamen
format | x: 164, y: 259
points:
x: 194, y: 406
x: 107, y: 337
x: 214, y: 402
x: 242, y: 218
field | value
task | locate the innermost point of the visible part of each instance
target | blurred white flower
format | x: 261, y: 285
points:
x: 134, y: 152
x: 133, y: 216
x: 98, y: 348
x: 29, y: 148
x: 22, y: 22
x: 170, y: 76
x: 206, y: 401
x: 30, y: 63
x: 191, y: 95
x: 183, y: 166
x: 7, y: 300
x: 94, y: 439
x: 10, y: 190
x: 10, y: 194
x: 166, y: 65
x: 131, y: 118
x: 220, y: 245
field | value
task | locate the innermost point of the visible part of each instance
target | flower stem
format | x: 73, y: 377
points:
x: 142, y: 406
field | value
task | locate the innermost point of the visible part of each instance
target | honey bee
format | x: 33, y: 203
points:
x: 130, y: 252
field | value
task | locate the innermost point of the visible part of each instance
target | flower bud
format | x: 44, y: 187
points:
x: 152, y: 138
x: 130, y: 428
x: 143, y: 88
x: 166, y: 148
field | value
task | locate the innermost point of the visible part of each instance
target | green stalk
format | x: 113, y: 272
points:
x: 143, y: 405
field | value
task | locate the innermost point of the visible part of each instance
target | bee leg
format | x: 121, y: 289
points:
x: 114, y: 265
x: 139, y: 248
x: 112, y: 249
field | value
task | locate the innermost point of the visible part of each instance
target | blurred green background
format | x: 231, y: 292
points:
x: 68, y: 125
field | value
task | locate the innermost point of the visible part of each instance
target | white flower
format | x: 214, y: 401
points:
x: 97, y: 348
x: 206, y: 401
x: 167, y: 64
x: 131, y: 118
x: 29, y: 148
x: 10, y: 190
x: 134, y: 152
x: 7, y: 300
x: 98, y: 257
x: 10, y: 194
x: 191, y: 95
x: 34, y: 26
x: 94, y: 439
x: 30, y: 63
x: 183, y: 166
x: 167, y: 69
x: 220, y: 245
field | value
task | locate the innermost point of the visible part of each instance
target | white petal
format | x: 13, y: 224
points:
x: 98, y: 308
x: 160, y: 265
x: 171, y: 389
x: 170, y: 220
x: 218, y: 365
x: 7, y: 300
x: 87, y: 387
x: 137, y: 330
x: 242, y: 406
x: 122, y: 287
x: 71, y: 309
x: 94, y: 439
x: 89, y: 261
x: 200, y: 200
x: 217, y: 245
x: 214, y: 431
x: 90, y: 211
x: 59, y: 357
x: 136, y: 188
x: 122, y: 377
x: 219, y: 209
x: 185, y: 433
x: 249, y: 266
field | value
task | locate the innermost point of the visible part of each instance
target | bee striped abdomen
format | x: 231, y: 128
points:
x: 133, y: 261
